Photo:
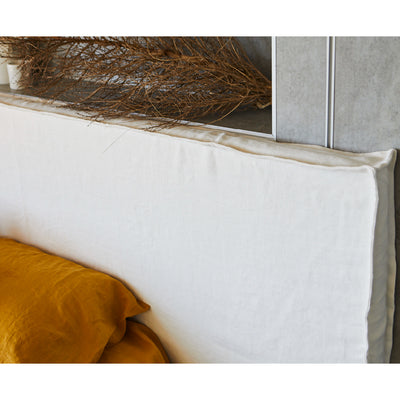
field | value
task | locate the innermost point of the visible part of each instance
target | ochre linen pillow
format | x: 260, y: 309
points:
x: 55, y: 311
x: 139, y: 345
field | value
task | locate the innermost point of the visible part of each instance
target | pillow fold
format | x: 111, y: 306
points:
x: 53, y: 310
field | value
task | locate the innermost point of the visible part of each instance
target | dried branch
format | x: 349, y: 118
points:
x: 178, y: 78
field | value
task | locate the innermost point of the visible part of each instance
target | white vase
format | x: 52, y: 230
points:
x: 3, y: 71
x: 14, y: 75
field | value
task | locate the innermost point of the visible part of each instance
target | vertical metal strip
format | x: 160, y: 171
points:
x: 330, y: 92
x: 273, y: 81
x: 327, y: 88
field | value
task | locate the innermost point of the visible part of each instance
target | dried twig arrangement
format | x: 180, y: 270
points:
x: 178, y: 78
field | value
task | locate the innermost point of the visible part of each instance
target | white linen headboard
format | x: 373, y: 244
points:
x: 247, y: 250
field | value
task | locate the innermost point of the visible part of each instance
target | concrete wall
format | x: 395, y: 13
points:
x: 367, y: 103
x: 301, y: 89
x: 367, y: 93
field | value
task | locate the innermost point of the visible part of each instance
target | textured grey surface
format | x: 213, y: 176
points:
x: 301, y: 89
x: 367, y: 93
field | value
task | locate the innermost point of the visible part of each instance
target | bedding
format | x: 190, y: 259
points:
x: 139, y: 345
x: 248, y: 250
x: 53, y: 310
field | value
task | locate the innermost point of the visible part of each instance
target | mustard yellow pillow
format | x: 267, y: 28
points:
x: 139, y: 345
x: 55, y: 311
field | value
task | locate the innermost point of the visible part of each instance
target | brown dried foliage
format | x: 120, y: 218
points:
x: 178, y: 78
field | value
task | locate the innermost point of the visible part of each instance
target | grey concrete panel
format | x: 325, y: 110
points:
x: 301, y: 89
x: 367, y: 93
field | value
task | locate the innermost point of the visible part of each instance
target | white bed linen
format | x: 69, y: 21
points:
x: 247, y: 250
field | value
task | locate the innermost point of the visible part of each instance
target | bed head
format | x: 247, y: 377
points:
x: 247, y: 250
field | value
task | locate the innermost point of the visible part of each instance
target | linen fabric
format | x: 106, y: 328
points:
x: 248, y: 250
x: 55, y: 311
x: 140, y: 345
